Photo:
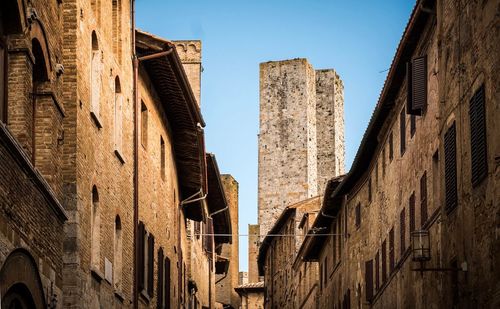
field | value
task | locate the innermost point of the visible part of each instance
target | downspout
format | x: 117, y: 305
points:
x: 135, y: 64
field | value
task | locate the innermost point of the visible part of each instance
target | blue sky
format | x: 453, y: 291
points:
x: 356, y: 38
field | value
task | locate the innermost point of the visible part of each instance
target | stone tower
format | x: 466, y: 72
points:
x: 190, y: 54
x: 301, y: 138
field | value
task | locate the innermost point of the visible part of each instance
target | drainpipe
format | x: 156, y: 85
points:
x: 135, y: 64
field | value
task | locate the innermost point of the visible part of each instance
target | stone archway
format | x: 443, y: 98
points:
x: 20, y: 284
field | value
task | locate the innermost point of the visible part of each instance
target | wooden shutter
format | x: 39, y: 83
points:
x: 402, y: 131
x: 416, y: 74
x: 391, y: 250
x: 140, y: 247
x: 412, y: 212
x: 159, y: 291
x: 423, y: 199
x: 377, y: 271
x: 384, y: 261
x: 402, y: 225
x: 478, y: 143
x: 197, y: 229
x: 167, y: 283
x: 450, y: 168
x: 369, y: 280
x: 151, y: 261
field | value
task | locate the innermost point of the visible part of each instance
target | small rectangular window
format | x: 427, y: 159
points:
x: 478, y: 137
x: 358, y: 215
x: 167, y: 283
x: 402, y: 230
x: 370, y: 189
x: 369, y: 280
x: 413, y: 125
x: 384, y: 261
x: 412, y: 212
x: 423, y: 199
x: 391, y: 250
x: 391, y: 147
x: 377, y: 271
x: 151, y: 262
x: 160, y: 300
x: 142, y: 253
x: 402, y: 131
x: 450, y: 168
x: 144, y: 125
x: 162, y: 154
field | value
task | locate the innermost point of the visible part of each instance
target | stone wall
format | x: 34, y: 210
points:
x: 253, y: 251
x: 301, y: 138
x: 190, y: 54
x: 225, y: 288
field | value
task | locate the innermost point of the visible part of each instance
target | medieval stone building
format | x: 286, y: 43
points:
x: 103, y: 163
x: 414, y: 224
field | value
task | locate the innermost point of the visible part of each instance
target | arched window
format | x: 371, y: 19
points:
x: 95, y: 230
x: 117, y: 275
x: 118, y: 116
x: 95, y: 79
x: 117, y: 28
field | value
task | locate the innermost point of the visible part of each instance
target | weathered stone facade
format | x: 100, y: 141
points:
x: 301, y: 121
x: 416, y: 172
x: 226, y: 295
x: 99, y: 162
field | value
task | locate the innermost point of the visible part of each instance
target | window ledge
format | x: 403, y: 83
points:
x: 96, y: 120
x: 119, y: 156
x: 119, y: 295
x: 96, y: 274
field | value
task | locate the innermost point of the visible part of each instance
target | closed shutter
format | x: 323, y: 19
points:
x: 159, y: 291
x: 402, y: 225
x: 151, y: 260
x: 167, y: 283
x: 416, y: 74
x: 423, y: 199
x: 140, y: 247
x: 412, y: 212
x: 391, y: 250
x: 478, y: 143
x: 450, y: 168
x: 369, y: 280
x: 402, y: 131
x: 384, y: 261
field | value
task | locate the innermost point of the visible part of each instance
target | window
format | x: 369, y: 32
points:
x: 370, y: 189
x: 416, y: 76
x: 358, y: 215
x: 478, y: 140
x: 391, y: 250
x: 391, y: 147
x: 402, y: 131
x: 377, y: 271
x: 413, y: 125
x: 369, y: 280
x: 383, y: 162
x: 412, y: 212
x: 144, y: 125
x: 95, y: 80
x: 325, y: 269
x: 450, y: 168
x: 117, y: 28
x: 118, y: 116
x: 162, y: 159
x: 160, y: 301
x: 95, y: 230
x: 402, y: 225
x: 117, y: 275
x: 166, y: 286
x: 384, y: 261
x: 423, y: 199
x: 142, y: 253
x: 151, y: 262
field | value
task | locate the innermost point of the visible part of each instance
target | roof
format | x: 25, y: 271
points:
x: 287, y: 213
x: 250, y: 287
x: 383, y: 111
x: 217, y: 203
x: 183, y: 114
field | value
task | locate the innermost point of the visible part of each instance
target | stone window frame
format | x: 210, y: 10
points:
x: 118, y: 119
x: 118, y: 254
x: 95, y: 79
